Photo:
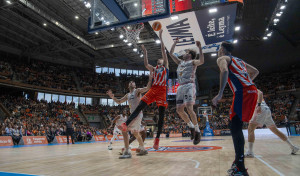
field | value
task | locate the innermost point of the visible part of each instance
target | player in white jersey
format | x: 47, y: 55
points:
x: 186, y: 92
x: 263, y: 116
x: 117, y: 121
x: 133, y: 97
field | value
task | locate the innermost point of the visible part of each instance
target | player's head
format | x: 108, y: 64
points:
x: 69, y: 118
x: 189, y: 55
x: 131, y: 85
x: 124, y: 112
x: 225, y: 49
x: 160, y: 62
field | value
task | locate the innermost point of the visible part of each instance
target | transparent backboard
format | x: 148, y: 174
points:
x: 107, y: 14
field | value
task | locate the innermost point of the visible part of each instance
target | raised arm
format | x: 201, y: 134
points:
x: 199, y: 61
x: 118, y: 101
x: 252, y: 71
x: 163, y: 50
x: 172, y: 55
x: 223, y: 65
x: 145, y: 89
x: 147, y: 65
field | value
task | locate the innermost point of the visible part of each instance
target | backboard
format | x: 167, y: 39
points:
x: 108, y: 14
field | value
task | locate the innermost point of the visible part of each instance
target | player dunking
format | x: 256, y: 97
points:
x: 133, y: 98
x: 186, y: 92
x: 157, y: 93
x: 239, y: 76
x: 263, y: 116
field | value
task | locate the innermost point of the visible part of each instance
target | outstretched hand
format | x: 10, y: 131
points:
x: 160, y: 33
x: 144, y: 49
x: 198, y: 44
x: 216, y: 99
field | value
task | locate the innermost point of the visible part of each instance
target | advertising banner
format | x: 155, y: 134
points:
x: 6, y: 141
x: 120, y: 137
x: 99, y: 138
x: 209, y: 28
x: 33, y: 140
x: 63, y: 139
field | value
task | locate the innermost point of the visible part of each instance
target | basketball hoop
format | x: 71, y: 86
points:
x: 132, y: 32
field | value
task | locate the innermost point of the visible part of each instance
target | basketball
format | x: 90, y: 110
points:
x: 156, y: 26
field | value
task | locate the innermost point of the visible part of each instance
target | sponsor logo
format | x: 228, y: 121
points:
x: 182, y: 148
x: 251, y: 91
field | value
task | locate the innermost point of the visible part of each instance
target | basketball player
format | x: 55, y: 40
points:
x: 186, y: 91
x: 239, y: 75
x: 157, y: 93
x: 261, y: 117
x: 117, y: 120
x: 133, y: 98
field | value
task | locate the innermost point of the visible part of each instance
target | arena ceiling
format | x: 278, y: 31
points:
x: 26, y: 29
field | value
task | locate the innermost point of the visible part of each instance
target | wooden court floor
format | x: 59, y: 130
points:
x: 273, y: 158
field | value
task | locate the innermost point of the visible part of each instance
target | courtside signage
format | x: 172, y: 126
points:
x: 6, y: 141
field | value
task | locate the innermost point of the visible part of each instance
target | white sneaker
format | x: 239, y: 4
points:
x: 126, y: 155
x: 249, y: 154
x: 109, y: 147
x: 295, y: 150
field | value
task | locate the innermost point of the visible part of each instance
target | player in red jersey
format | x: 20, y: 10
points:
x: 157, y: 93
x: 239, y: 76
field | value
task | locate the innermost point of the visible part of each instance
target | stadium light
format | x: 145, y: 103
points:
x: 237, y: 28
x: 76, y: 17
x: 135, y: 49
x: 141, y: 55
x: 214, y: 54
x: 45, y: 24
x: 278, y: 14
x: 267, y: 29
x: 214, y: 10
x: 135, y: 4
x: 102, y: 18
x: 175, y: 17
x: 96, y: 33
x: 112, y: 45
x: 107, y: 23
x: 157, y: 41
x: 282, y: 7
x: 128, y: 27
x: 276, y: 20
x: 235, y: 41
x: 8, y: 2
x: 129, y: 44
x: 121, y: 36
x: 125, y: 40
x: 87, y: 4
x: 269, y: 35
x: 265, y: 38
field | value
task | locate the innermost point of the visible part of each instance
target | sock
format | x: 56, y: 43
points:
x: 197, y: 128
x: 250, y: 147
x: 191, y: 125
x: 141, y: 148
x: 126, y: 150
x: 289, y: 143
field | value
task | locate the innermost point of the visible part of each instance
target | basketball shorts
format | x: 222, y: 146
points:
x: 186, y: 94
x: 156, y: 94
x: 117, y: 131
x: 264, y: 118
x: 135, y: 125
x: 244, y: 103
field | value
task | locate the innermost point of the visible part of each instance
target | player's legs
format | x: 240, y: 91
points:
x: 132, y: 138
x: 143, y: 135
x: 141, y: 150
x: 193, y: 116
x: 236, y: 127
x: 184, y: 116
x: 251, y: 139
x: 284, y: 138
x: 115, y: 135
x: 127, y: 152
x: 160, y: 124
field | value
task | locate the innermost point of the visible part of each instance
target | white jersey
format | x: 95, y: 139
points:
x: 186, y: 72
x: 264, y: 105
x: 133, y: 100
x: 121, y: 120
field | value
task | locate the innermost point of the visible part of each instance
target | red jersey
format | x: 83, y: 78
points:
x: 160, y: 76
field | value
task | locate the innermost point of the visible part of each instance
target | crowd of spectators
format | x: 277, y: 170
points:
x: 39, y: 118
x: 5, y: 70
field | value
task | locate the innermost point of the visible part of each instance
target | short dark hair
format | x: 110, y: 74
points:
x: 193, y: 53
x: 228, y: 46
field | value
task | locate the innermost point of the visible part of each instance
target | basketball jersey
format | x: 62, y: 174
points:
x: 121, y: 120
x: 264, y: 104
x: 133, y: 100
x: 238, y: 77
x: 160, y: 76
x: 186, y: 72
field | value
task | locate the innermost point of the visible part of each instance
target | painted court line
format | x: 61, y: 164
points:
x: 275, y: 170
x: 197, y: 162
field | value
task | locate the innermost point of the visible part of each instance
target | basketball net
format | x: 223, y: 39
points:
x: 131, y: 32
